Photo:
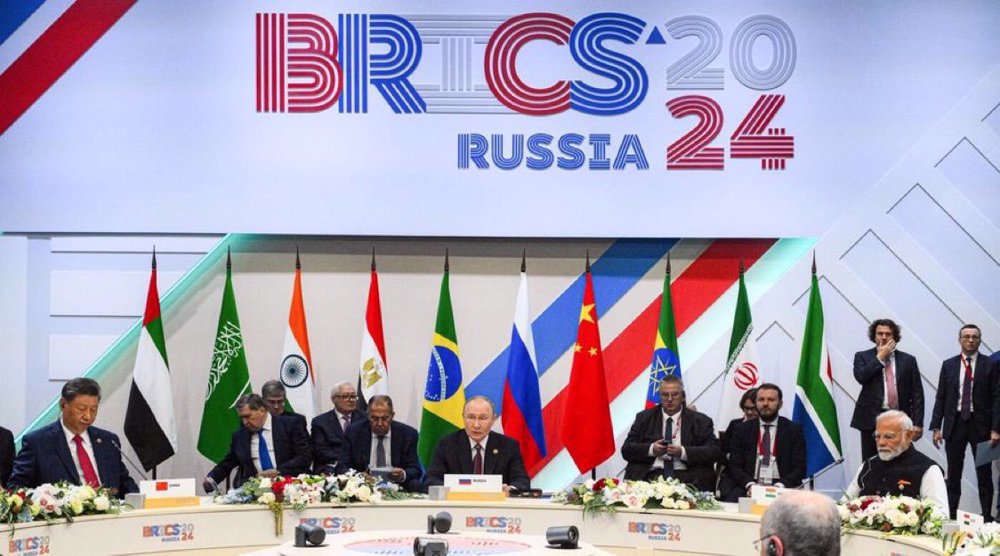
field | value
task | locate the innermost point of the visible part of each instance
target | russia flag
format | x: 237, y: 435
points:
x: 522, y: 405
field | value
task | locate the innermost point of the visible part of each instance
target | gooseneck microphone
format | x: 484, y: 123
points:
x: 139, y: 471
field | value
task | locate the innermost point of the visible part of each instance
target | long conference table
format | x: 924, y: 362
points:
x: 227, y: 529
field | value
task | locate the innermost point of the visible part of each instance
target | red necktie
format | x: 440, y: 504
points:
x: 89, y: 475
x: 892, y: 399
x: 477, y: 462
x: 966, y: 410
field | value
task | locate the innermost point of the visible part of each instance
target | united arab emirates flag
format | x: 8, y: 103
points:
x: 149, y: 420
x: 228, y: 379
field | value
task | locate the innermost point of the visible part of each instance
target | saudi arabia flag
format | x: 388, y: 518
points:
x: 149, y: 420
x: 742, y: 371
x: 228, y: 379
x: 444, y: 394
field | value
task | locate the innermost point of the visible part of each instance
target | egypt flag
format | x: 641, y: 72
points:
x: 742, y: 371
x: 444, y: 393
x: 815, y: 408
x: 373, y: 372
x: 149, y: 419
x: 296, y: 372
x: 522, y: 403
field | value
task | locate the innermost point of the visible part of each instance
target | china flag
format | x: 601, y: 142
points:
x: 586, y: 424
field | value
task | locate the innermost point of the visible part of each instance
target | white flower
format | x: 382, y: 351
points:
x: 364, y: 493
x: 266, y: 498
x: 101, y: 503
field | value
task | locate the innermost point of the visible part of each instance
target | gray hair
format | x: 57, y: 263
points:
x: 493, y: 406
x: 807, y: 523
x: 339, y: 385
x: 381, y: 399
x: 903, y: 418
x: 272, y: 388
x: 254, y: 401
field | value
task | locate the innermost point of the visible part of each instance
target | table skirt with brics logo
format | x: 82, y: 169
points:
x: 229, y: 529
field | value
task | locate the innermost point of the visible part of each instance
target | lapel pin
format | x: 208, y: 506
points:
x: 98, y: 440
x: 495, y: 451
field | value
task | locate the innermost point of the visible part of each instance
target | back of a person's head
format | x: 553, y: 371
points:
x: 802, y: 524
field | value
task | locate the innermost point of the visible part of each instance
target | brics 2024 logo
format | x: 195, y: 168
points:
x: 306, y: 64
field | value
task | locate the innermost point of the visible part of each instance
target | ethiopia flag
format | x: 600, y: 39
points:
x: 666, y: 356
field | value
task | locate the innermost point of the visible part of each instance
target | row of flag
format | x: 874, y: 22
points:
x: 585, y: 429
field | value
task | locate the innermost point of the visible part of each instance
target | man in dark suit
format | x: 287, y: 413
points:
x: 273, y: 392
x: 264, y: 446
x: 6, y: 456
x: 969, y: 413
x: 890, y: 379
x: 476, y: 449
x: 672, y: 440
x: 769, y: 450
x: 72, y: 449
x: 382, y: 443
x: 748, y: 405
x: 328, y: 428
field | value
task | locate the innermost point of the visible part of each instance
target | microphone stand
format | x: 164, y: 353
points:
x: 812, y: 478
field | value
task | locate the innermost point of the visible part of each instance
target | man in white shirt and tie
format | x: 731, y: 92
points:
x: 967, y: 412
x: 328, y: 429
x: 889, y: 379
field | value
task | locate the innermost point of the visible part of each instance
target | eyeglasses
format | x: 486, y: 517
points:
x: 671, y: 395
x: 756, y: 543
x: 347, y: 397
x: 889, y: 436
x: 385, y: 419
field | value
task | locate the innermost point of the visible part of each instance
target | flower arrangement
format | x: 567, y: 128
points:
x: 298, y: 492
x: 61, y: 500
x: 892, y: 515
x: 987, y: 537
x: 609, y: 494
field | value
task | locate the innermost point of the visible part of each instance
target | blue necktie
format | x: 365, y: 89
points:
x: 265, y: 457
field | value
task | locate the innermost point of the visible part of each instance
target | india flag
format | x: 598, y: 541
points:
x: 296, y: 372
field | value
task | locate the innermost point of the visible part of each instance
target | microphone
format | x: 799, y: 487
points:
x: 865, y: 468
x: 139, y: 471
x: 812, y: 479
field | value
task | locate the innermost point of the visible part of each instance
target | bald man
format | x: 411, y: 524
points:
x: 800, y: 523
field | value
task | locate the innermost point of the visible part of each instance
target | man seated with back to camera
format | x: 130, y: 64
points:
x: 672, y: 440
x: 898, y: 468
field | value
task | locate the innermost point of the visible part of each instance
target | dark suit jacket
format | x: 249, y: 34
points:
x: 292, y: 451
x: 791, y: 452
x: 697, y: 437
x: 501, y: 456
x: 355, y: 452
x: 868, y: 371
x: 6, y: 456
x: 45, y: 458
x: 327, y: 435
x: 985, y: 396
